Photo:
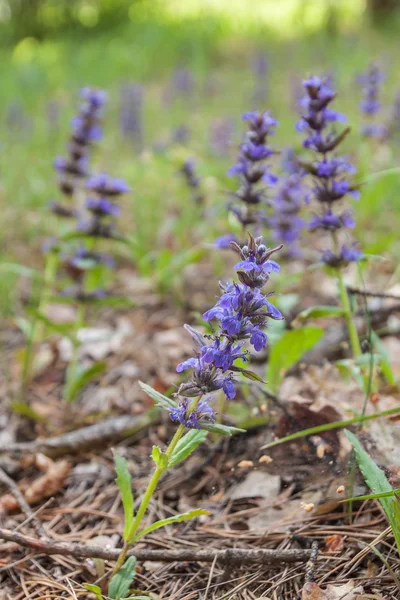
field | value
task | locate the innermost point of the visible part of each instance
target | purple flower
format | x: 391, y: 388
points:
x: 224, y: 241
x: 346, y: 256
x: 330, y: 172
x: 370, y: 104
x: 242, y: 312
x: 102, y: 207
x: 105, y: 185
x: 253, y: 170
x: 331, y: 222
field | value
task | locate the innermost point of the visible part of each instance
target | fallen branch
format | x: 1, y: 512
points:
x: 101, y: 434
x: 237, y: 556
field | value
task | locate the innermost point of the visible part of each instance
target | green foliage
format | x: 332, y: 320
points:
x: 316, y: 312
x: 385, y: 363
x: 159, y: 399
x: 285, y: 353
x: 121, y: 582
x: 220, y: 429
x: 78, y: 377
x: 248, y: 374
x: 124, y: 483
x: 160, y: 459
x: 186, y: 445
x: 187, y: 516
x: 329, y: 426
x: 378, y: 483
x: 94, y: 589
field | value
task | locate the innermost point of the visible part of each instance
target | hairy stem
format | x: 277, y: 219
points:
x: 151, y: 488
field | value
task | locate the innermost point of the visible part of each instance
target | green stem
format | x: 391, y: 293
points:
x: 71, y: 370
x: 36, y: 332
x: 351, y: 326
x: 345, y: 301
x: 151, y: 488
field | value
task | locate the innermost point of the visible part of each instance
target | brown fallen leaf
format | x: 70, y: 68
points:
x: 334, y: 543
x: 50, y: 483
x: 348, y: 591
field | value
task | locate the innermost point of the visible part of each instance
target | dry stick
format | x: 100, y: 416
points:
x: 87, y: 438
x: 359, y: 292
x: 310, y: 567
x: 230, y: 556
x: 24, y: 506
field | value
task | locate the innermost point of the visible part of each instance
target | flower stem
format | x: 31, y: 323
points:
x: 36, y: 331
x: 151, y: 488
x: 71, y: 370
x: 345, y: 301
x: 351, y: 326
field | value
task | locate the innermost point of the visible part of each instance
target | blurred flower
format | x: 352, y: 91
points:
x: 370, y: 104
x: 188, y: 170
x: 253, y: 170
x: 131, y: 113
x: 330, y: 172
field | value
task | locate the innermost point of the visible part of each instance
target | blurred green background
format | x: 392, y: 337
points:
x: 196, y: 65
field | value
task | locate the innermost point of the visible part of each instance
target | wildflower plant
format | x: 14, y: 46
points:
x: 77, y: 268
x: 370, y: 105
x: 286, y: 223
x: 249, y: 206
x: 239, y: 318
x: 331, y: 185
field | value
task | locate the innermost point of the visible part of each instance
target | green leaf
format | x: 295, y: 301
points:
x: 347, y: 369
x: 77, y: 380
x: 124, y: 483
x: 94, y: 589
x: 372, y: 496
x: 20, y: 270
x: 186, y: 445
x: 329, y: 426
x: 220, y: 429
x: 64, y: 329
x: 385, y: 363
x: 377, y: 482
x: 288, y: 351
x: 121, y: 582
x: 316, y: 312
x: 159, y: 457
x: 25, y: 326
x: 158, y: 398
x: 21, y: 408
x: 248, y: 374
x: 187, y: 516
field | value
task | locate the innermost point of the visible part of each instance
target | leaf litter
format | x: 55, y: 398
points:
x: 285, y: 499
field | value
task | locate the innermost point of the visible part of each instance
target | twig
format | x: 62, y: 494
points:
x: 88, y: 438
x: 310, y: 567
x: 368, y: 294
x: 235, y: 556
x: 24, y: 506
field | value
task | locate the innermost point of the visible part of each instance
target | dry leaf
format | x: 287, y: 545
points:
x: 257, y: 484
x: 50, y: 483
x: 334, y: 543
x: 348, y: 591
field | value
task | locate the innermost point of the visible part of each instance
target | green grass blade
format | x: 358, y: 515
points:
x: 329, y: 426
